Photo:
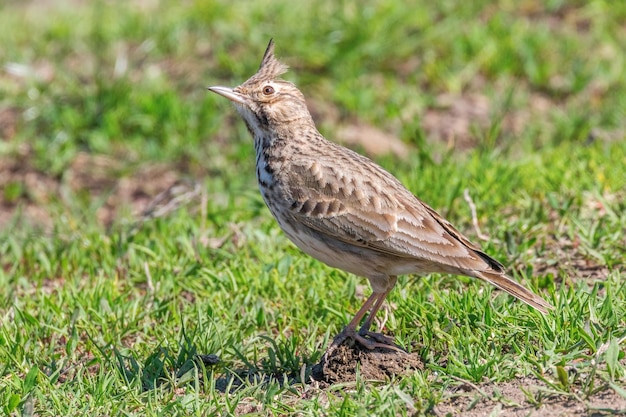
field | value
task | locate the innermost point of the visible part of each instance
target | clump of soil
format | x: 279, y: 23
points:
x: 378, y: 364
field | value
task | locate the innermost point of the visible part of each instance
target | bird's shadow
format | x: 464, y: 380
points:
x: 280, y: 368
x: 184, y: 364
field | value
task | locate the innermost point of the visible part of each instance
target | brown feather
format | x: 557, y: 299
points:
x: 515, y: 289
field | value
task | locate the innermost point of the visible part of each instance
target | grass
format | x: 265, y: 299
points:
x: 104, y: 315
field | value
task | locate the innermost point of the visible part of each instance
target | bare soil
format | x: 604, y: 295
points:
x: 95, y: 175
x: 350, y: 359
x: 527, y: 397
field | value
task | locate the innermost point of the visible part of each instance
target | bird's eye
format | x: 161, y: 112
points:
x: 268, y: 89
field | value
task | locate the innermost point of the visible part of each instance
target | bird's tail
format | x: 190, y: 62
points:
x: 515, y: 289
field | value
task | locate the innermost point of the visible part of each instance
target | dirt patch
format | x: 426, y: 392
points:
x: 379, y: 364
x: 95, y: 177
x: 351, y: 131
x: 564, y: 257
x: 9, y: 120
x: 574, y: 265
x: 566, y: 254
x: 453, y: 116
x: 373, y: 140
x: 527, y: 397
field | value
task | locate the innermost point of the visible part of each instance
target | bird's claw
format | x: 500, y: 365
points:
x: 370, y: 340
x: 387, y: 341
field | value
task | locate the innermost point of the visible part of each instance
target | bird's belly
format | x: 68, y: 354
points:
x: 330, y: 252
x: 354, y: 259
x: 335, y: 253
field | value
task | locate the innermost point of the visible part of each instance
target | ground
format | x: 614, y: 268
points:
x: 379, y: 364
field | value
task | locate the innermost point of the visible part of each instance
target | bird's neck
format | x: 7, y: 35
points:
x: 278, y: 136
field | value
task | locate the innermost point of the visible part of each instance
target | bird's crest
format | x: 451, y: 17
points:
x: 270, y: 68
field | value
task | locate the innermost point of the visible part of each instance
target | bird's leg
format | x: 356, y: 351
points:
x: 365, y: 328
x: 349, y: 332
x: 366, y: 338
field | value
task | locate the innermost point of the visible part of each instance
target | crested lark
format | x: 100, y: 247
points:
x: 344, y: 209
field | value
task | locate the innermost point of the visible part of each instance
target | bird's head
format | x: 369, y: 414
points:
x: 264, y: 100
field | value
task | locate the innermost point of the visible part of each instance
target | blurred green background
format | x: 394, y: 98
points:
x: 126, y: 80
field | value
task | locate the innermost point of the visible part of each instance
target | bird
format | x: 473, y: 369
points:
x: 345, y: 210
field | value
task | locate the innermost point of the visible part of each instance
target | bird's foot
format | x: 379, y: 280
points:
x: 368, y: 339
x: 380, y: 338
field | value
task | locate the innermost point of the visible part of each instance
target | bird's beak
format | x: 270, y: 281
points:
x: 229, y: 93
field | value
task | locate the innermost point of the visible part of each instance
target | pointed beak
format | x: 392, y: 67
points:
x: 229, y: 93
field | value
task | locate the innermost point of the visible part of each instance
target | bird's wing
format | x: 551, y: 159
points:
x: 356, y: 201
